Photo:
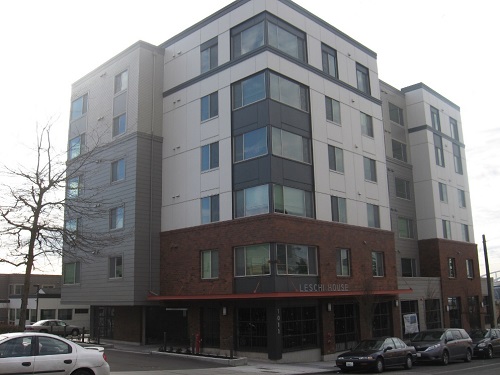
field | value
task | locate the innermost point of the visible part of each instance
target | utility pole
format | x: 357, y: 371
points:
x: 491, y: 296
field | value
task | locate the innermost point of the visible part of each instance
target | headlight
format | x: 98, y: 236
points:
x: 432, y: 347
x: 481, y: 345
x: 340, y: 357
x: 369, y: 358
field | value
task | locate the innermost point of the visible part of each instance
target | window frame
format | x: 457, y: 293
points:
x: 242, y: 98
x: 279, y: 145
x: 209, y: 156
x: 335, y: 159
x: 373, y: 214
x: 366, y: 122
x: 76, y: 113
x: 439, y: 150
x: 75, y: 279
x: 363, y: 79
x: 240, y: 198
x: 280, y: 88
x: 378, y: 267
x: 402, y: 153
x: 435, y: 120
x: 115, y: 214
x: 115, y: 267
x: 118, y: 170
x: 465, y: 232
x: 462, y: 200
x: 212, y: 267
x: 443, y: 192
x: 454, y: 129
x: 263, y: 263
x: 213, y: 214
x: 399, y: 118
x: 209, y: 106
x: 75, y: 146
x: 446, y: 229
x: 457, y: 159
x: 332, y: 109
x: 327, y: 55
x: 341, y: 255
x: 407, y: 188
x: 120, y: 124
x: 73, y: 187
x: 412, y: 263
x: 210, y: 60
x: 370, y: 169
x: 280, y: 193
x: 240, y: 141
x: 405, y: 228
x: 312, y: 259
x: 339, y: 209
x: 469, y: 266
x: 452, y: 268
x: 120, y: 81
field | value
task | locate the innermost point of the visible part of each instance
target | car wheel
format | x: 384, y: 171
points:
x: 489, y: 353
x: 379, y: 365
x: 468, y: 356
x: 81, y: 372
x: 409, y: 362
x: 445, y: 358
x: 75, y: 332
x: 344, y: 370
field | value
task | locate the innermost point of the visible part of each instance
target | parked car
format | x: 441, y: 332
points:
x: 442, y: 345
x: 43, y: 353
x: 486, y: 342
x: 57, y: 327
x: 378, y: 354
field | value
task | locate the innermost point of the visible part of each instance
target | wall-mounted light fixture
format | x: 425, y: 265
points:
x: 396, y: 302
x: 224, y: 310
x: 329, y: 307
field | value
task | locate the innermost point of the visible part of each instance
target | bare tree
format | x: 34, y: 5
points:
x: 36, y: 206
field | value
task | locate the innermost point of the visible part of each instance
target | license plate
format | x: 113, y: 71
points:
x: 349, y: 364
x: 419, y: 354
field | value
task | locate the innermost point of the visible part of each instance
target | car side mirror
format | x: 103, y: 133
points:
x: 388, y: 348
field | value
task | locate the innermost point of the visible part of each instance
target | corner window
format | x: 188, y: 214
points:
x: 296, y: 260
x: 210, y: 156
x: 443, y: 192
x: 210, y: 264
x: 210, y: 106
x: 329, y: 59
x: 119, y: 124
x: 252, y: 201
x: 396, y: 114
x: 405, y: 228
x: 288, y: 92
x: 249, y: 90
x: 363, y: 78
x: 452, y: 268
x: 250, y: 145
x: 75, y: 147
x: 336, y: 159
x: 248, y: 39
x: 73, y: 187
x: 252, y: 260
x: 71, y: 273
x: 469, y: 264
x: 465, y: 233
x: 402, y: 188
x: 339, y: 209
x: 291, y: 146
x: 399, y: 151
x: 209, y: 55
x: 118, y: 170
x: 373, y: 215
x: 116, y: 217
x: 115, y: 267
x: 408, y: 267
x: 370, y: 167
x: 210, y: 209
x: 332, y: 110
x: 78, y: 107
x: 366, y: 125
x: 292, y: 201
x: 343, y: 262
x: 446, y: 229
x: 377, y: 264
x: 436, y: 123
x: 121, y: 81
x: 462, y: 203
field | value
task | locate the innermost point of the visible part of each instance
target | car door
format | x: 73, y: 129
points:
x: 400, y: 349
x: 390, y: 352
x: 16, y: 356
x: 495, y: 340
x: 54, y: 356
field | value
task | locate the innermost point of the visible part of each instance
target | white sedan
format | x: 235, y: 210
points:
x: 43, y: 353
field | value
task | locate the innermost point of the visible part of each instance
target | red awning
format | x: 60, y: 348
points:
x: 278, y: 295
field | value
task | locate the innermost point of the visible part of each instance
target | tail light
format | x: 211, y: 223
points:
x: 105, y: 357
x: 29, y: 329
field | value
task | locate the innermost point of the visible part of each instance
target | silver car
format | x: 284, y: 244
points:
x: 42, y: 353
x: 54, y: 326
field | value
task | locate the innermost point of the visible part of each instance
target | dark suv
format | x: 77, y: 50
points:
x: 442, y: 345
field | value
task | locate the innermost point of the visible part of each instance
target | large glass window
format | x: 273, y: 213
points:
x: 118, y: 170
x: 336, y: 158
x: 370, y: 167
x: 119, y: 124
x: 405, y: 227
x: 252, y: 201
x: 209, y: 55
x: 249, y: 90
x: 399, y: 151
x: 296, y: 260
x: 210, y: 264
x: 377, y: 263
x: 291, y: 146
x: 210, y: 156
x: 248, y: 39
x: 75, y: 147
x: 332, y: 110
x: 363, y: 78
x: 396, y: 114
x: 252, y: 329
x: 71, y: 273
x: 116, y: 216
x: 121, y: 81
x: 402, y: 188
x: 209, y: 106
x: 366, y: 124
x: 339, y: 209
x: 252, y: 260
x: 65, y: 314
x: 78, y: 107
x: 329, y: 57
x: 115, y: 267
x: 436, y: 123
x: 457, y: 159
x: 210, y: 209
x: 250, y: 145
x: 292, y: 201
x: 433, y: 313
x: 373, y: 215
x: 343, y: 262
x: 300, y: 327
x: 288, y: 92
x: 465, y: 233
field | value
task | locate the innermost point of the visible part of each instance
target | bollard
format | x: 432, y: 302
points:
x: 83, y: 334
x: 165, y: 341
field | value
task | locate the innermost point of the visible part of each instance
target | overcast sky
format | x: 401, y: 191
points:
x: 450, y: 45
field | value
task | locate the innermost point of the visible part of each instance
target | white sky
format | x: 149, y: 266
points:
x: 450, y: 45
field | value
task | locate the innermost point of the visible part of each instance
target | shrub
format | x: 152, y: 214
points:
x: 6, y: 328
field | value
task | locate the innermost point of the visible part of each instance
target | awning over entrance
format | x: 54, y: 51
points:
x: 279, y: 295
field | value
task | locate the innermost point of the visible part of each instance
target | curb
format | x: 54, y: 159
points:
x: 223, y: 361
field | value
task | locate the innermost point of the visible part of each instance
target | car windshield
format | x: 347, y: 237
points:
x: 369, y: 345
x: 40, y: 323
x: 480, y: 334
x: 428, y: 336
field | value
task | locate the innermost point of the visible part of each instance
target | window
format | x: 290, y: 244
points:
x: 250, y: 145
x: 252, y: 201
x: 288, y: 92
x: 329, y: 57
x: 71, y: 273
x: 370, y: 169
x: 252, y: 329
x: 446, y: 229
x: 443, y: 192
x: 252, y: 260
x: 452, y: 268
x: 81, y: 311
x: 78, y: 107
x: 366, y: 125
x: 248, y: 40
x: 339, y: 209
x: 300, y: 327
x: 402, y: 188
x: 292, y: 201
x: 465, y: 233
x: 119, y: 124
x: 373, y: 215
x: 116, y: 216
x: 75, y: 147
x: 405, y: 227
x: 249, y: 90
x: 436, y: 124
x: 290, y: 41
x: 343, y: 262
x: 209, y: 55
x: 65, y: 314
x: 73, y: 187
x: 121, y: 81
x: 291, y: 146
x: 438, y: 149
x: 210, y: 264
x: 72, y: 227
x: 115, y: 267
x: 462, y: 203
x: 469, y: 265
x: 377, y: 264
x: 332, y: 110
x: 16, y: 289
x: 433, y: 313
x: 296, y: 260
x: 399, y: 151
x: 16, y: 347
x: 210, y: 209
x: 118, y: 170
x: 454, y: 129
x: 457, y: 158
x: 408, y: 267
x: 46, y: 314
x: 363, y: 78
x: 210, y: 106
x: 336, y: 159
x: 396, y: 114
x: 210, y: 156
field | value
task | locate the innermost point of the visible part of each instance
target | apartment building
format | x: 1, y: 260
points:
x: 278, y: 198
